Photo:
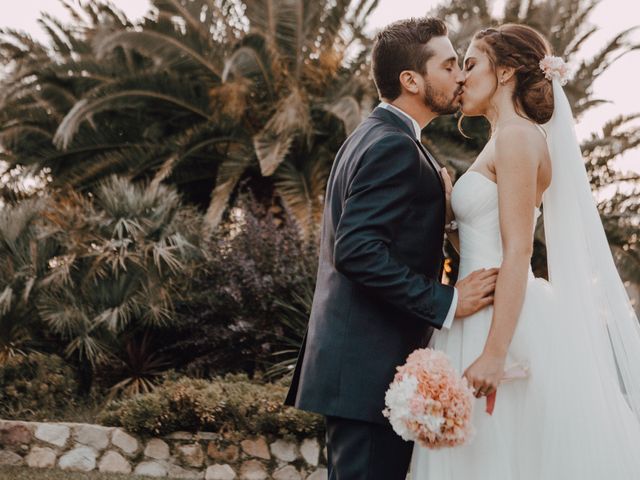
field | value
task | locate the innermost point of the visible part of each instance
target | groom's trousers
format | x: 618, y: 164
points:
x: 358, y: 450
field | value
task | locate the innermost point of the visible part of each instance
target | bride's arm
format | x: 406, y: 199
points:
x: 518, y: 156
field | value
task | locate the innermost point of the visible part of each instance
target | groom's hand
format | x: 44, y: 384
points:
x: 475, y: 291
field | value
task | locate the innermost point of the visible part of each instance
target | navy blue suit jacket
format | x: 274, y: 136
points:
x: 378, y: 294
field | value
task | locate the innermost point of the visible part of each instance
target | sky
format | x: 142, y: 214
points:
x: 619, y: 84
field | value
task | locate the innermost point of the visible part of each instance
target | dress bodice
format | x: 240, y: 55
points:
x: 475, y: 204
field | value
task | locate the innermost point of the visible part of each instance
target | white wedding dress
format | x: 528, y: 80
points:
x: 566, y: 421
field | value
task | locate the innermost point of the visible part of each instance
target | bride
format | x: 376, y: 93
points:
x: 576, y: 415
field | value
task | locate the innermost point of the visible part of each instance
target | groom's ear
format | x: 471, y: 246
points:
x: 408, y: 81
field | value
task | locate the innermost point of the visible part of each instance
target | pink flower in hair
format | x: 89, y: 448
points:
x: 555, y: 68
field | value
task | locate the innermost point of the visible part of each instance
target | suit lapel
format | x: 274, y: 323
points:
x: 432, y: 161
x: 394, y: 119
x: 405, y: 125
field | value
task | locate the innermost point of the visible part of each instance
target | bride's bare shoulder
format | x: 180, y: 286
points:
x: 521, y: 152
x: 522, y: 140
x: 523, y: 130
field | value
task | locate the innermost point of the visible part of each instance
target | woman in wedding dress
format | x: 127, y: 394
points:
x: 575, y: 417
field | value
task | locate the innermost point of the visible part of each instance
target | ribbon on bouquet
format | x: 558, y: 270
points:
x: 516, y: 372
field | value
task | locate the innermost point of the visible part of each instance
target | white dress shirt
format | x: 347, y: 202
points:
x: 418, y: 132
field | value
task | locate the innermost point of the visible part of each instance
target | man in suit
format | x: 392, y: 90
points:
x: 378, y: 293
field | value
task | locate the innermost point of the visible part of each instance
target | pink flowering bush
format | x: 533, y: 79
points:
x: 429, y: 402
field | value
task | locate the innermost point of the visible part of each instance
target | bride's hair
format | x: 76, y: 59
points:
x: 521, y: 47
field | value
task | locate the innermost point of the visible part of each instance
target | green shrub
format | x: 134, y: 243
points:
x: 229, y: 404
x: 36, y: 386
x: 124, y: 256
x: 257, y: 261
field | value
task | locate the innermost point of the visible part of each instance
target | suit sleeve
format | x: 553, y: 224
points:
x: 377, y: 201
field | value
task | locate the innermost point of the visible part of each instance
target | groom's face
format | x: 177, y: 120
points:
x: 441, y: 84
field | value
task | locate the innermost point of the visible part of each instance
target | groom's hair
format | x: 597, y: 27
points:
x: 401, y: 46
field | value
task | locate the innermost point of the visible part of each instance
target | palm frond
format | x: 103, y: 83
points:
x: 273, y: 142
x: 238, y: 159
x: 167, y: 50
x: 84, y: 109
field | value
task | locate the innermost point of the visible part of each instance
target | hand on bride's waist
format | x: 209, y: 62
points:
x: 475, y: 291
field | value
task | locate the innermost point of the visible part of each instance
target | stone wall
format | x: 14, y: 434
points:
x: 203, y: 455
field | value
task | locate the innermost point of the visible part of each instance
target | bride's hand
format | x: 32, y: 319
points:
x: 485, y: 373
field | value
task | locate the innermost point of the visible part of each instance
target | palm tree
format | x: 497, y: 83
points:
x: 564, y: 23
x: 201, y: 95
x: 123, y: 255
x: 42, y: 83
x: 23, y: 264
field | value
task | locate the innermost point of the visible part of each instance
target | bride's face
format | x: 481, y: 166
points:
x: 480, y: 81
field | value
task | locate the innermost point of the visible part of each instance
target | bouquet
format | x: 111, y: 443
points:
x: 429, y: 402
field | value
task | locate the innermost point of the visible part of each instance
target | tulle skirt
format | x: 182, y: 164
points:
x: 564, y: 422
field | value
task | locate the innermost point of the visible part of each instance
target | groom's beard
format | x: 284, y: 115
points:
x: 438, y: 103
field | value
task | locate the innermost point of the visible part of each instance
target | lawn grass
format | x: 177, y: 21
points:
x: 26, y: 473
x: 80, y: 410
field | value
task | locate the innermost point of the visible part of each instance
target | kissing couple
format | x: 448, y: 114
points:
x: 379, y: 295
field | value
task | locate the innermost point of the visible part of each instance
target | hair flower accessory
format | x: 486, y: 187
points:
x: 555, y: 68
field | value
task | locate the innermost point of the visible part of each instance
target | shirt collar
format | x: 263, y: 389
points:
x: 400, y: 113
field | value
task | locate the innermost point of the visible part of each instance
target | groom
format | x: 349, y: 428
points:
x: 378, y: 295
